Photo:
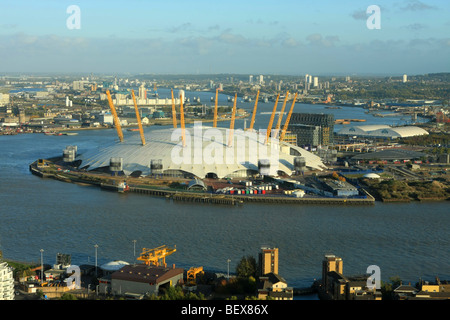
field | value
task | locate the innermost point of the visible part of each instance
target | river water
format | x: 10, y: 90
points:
x: 409, y: 240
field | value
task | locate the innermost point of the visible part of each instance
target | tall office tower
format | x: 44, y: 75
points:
x: 316, y: 82
x: 331, y: 263
x: 306, y: 79
x: 261, y: 79
x: 268, y: 260
x: 142, y: 92
x: 405, y: 78
x: 250, y: 79
x: 312, y: 129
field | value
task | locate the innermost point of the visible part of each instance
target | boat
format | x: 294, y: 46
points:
x: 123, y: 187
x: 134, y: 129
x: 70, y: 133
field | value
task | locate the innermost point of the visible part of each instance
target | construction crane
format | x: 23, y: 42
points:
x: 280, y: 116
x: 233, y: 116
x: 156, y: 256
x: 116, y: 118
x: 215, y: 109
x: 269, y: 127
x: 174, y: 112
x: 138, y: 118
x: 288, y: 118
x: 183, y: 133
x: 254, y: 112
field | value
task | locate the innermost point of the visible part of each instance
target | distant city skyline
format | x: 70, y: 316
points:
x: 245, y: 37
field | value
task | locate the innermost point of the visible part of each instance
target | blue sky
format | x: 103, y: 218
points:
x: 247, y: 36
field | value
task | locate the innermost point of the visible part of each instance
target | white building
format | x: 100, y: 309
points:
x: 6, y: 282
x: 316, y: 81
x: 4, y: 99
x: 405, y: 78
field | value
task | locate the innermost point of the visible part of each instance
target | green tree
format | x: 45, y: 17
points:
x: 247, y: 267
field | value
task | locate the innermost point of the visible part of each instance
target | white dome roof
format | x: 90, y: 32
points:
x: 372, y: 176
x: 114, y: 265
x: 163, y: 145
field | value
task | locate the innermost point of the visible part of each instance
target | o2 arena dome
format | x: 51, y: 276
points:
x: 207, y: 153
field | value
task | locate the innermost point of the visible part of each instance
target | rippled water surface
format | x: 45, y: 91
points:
x: 409, y: 240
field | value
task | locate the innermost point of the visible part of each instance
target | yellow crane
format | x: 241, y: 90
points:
x: 254, y: 112
x: 215, y: 109
x: 192, y: 274
x: 156, y: 256
x: 280, y: 116
x: 138, y: 118
x: 269, y: 127
x: 288, y: 118
x: 233, y: 116
x: 174, y: 112
x: 183, y: 133
x: 116, y: 118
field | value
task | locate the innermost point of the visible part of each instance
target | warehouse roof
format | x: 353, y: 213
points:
x: 390, y: 154
x: 145, y: 273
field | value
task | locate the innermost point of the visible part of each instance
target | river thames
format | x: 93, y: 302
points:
x: 409, y: 240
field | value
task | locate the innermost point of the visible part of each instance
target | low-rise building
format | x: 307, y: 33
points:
x: 275, y: 287
x: 144, y: 279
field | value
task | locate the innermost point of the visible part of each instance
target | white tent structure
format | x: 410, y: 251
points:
x: 382, y: 131
x: 207, y: 151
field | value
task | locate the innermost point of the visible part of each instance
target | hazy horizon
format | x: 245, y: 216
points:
x: 247, y: 37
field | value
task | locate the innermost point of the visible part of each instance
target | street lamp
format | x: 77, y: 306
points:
x: 228, y: 275
x: 42, y: 266
x: 96, y: 246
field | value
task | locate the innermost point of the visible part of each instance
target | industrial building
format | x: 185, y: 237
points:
x: 312, y: 129
x: 390, y: 155
x: 382, y: 131
x: 144, y: 279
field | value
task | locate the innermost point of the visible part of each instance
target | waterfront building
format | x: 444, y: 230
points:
x: 336, y: 286
x: 382, y: 131
x: 275, y: 287
x: 6, y: 282
x: 142, y: 279
x: 268, y: 260
x: 203, y: 156
x: 312, y: 128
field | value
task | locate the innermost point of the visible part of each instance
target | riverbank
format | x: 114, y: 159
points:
x: 161, y: 187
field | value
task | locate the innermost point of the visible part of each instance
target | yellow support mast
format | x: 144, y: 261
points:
x: 277, y: 128
x: 254, y: 112
x: 116, y: 118
x: 174, y: 112
x: 269, y: 127
x: 288, y: 118
x: 215, y: 109
x: 183, y: 132
x: 233, y: 116
x: 138, y: 118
